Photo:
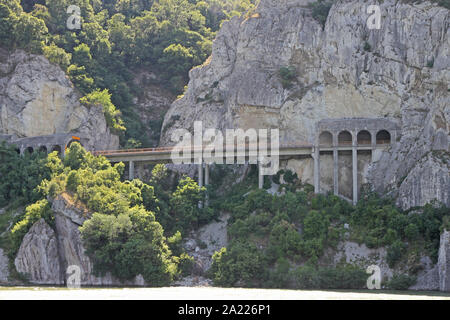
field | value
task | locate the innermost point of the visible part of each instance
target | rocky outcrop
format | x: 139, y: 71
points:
x: 432, y: 276
x: 428, y: 180
x: 437, y: 277
x: 4, y: 272
x: 428, y: 278
x: 152, y: 103
x: 358, y: 254
x: 68, y: 218
x: 46, y: 255
x: 202, y: 244
x: 343, y: 70
x: 444, y: 262
x: 37, y: 98
x: 38, y: 256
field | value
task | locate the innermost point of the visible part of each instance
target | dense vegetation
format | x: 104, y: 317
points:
x: 288, y: 236
x: 137, y: 227
x: 275, y: 240
x: 21, y: 175
x: 124, y: 234
x: 167, y: 37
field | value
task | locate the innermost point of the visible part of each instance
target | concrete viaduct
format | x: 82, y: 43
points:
x: 332, y: 136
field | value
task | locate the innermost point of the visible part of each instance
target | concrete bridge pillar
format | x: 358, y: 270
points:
x: 200, y: 175
x: 260, y: 176
x: 206, y: 184
x: 373, y: 135
x: 316, y: 157
x: 200, y: 181
x: 335, y: 164
x: 393, y: 136
x: 140, y: 170
x: 131, y: 171
x: 355, y: 168
x: 206, y: 174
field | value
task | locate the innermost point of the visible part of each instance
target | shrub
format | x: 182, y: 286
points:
x: 395, y: 253
x: 129, y: 244
x: 185, y: 213
x: 306, y: 277
x: 346, y: 277
x: 33, y: 213
x: 401, y: 282
x: 284, y: 241
x: 185, y: 264
x: 315, y: 225
x: 241, y: 264
x: 320, y: 10
x: 21, y: 175
x: 412, y: 231
x: 280, y: 277
x: 103, y: 99
x: 341, y: 277
x: 57, y: 55
x: 290, y: 177
x: 288, y: 76
x: 312, y: 248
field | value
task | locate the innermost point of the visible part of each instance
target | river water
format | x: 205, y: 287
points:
x: 206, y: 293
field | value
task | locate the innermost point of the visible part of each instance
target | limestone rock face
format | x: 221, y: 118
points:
x: 68, y: 219
x: 38, y: 255
x: 428, y: 278
x: 355, y: 253
x: 444, y: 262
x: 4, y: 272
x: 428, y: 180
x: 46, y: 255
x: 152, y: 104
x: 401, y: 71
x: 214, y: 237
x: 37, y: 98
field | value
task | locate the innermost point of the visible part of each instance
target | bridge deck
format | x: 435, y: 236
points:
x: 165, y: 154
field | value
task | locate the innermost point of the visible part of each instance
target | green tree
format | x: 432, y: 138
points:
x: 57, y: 55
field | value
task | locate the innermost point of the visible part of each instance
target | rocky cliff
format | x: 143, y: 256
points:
x: 401, y: 71
x: 37, y: 98
x: 4, y: 272
x: 46, y: 254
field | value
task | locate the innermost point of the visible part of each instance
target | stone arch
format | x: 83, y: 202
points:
x: 383, y: 137
x: 43, y: 149
x: 72, y: 141
x: 345, y: 138
x: 57, y: 148
x: 364, y: 137
x: 326, y: 139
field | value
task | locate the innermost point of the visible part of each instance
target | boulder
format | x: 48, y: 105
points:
x: 37, y: 257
